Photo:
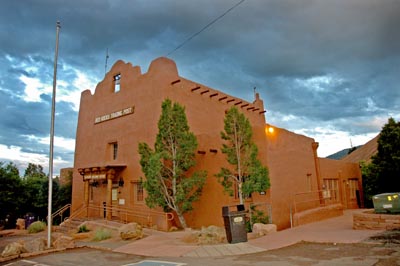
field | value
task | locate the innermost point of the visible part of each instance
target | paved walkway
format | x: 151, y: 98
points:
x: 334, y: 230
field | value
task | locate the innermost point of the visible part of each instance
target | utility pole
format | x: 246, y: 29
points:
x: 105, y: 66
x: 53, y: 107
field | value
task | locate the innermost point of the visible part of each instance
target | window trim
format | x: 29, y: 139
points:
x: 117, y: 83
x: 114, y: 150
x: 138, y: 192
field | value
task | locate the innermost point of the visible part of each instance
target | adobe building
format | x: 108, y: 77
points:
x: 124, y: 111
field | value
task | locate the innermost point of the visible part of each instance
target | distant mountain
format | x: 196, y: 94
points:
x: 361, y: 153
x: 364, y: 153
x: 340, y: 154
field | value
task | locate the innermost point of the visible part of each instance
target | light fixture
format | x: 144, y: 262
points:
x: 269, y: 130
x: 121, y: 182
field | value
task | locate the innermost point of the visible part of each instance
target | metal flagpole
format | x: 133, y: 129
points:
x: 53, y: 107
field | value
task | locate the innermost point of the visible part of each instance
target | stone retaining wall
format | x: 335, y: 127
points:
x: 375, y: 221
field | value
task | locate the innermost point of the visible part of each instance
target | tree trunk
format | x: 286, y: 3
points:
x: 181, y: 219
x: 240, y: 193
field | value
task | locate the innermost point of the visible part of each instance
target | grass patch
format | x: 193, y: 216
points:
x: 36, y: 227
x: 102, y: 234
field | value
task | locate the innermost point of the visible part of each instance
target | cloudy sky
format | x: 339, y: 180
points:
x: 328, y: 69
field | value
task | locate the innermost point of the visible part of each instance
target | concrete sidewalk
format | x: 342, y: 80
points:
x: 334, y: 230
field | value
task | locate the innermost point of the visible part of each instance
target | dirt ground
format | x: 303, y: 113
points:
x: 379, y: 250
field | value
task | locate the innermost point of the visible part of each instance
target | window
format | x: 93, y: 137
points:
x: 138, y: 191
x: 115, y: 150
x: 332, y: 189
x: 117, y: 83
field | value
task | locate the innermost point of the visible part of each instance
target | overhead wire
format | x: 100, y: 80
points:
x: 205, y: 27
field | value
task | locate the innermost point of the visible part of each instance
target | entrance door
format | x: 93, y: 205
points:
x: 114, y: 201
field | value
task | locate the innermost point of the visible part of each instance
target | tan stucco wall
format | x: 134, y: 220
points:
x: 290, y: 160
x: 205, y: 113
x: 343, y: 172
x: 290, y: 157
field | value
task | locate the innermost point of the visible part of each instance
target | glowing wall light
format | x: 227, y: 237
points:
x: 269, y: 130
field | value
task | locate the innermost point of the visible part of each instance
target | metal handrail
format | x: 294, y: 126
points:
x: 317, y: 196
x: 61, y: 210
x: 125, y: 215
x: 76, y: 213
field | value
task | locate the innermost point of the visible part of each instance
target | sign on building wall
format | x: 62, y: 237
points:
x: 113, y: 115
x: 94, y: 176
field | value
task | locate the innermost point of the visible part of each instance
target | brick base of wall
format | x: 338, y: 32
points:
x: 375, y: 221
x: 317, y: 214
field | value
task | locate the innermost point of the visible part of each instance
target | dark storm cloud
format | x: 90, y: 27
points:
x: 315, y: 63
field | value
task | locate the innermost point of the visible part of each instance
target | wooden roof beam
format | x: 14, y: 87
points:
x: 175, y: 81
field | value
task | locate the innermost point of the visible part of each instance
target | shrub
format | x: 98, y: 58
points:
x: 101, y: 234
x: 258, y: 216
x: 36, y: 227
x: 83, y: 229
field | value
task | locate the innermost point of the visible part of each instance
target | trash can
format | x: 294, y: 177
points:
x: 387, y: 203
x: 29, y: 219
x: 235, y: 223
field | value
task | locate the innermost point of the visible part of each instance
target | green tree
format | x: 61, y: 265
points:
x: 387, y: 159
x: 36, y: 190
x: 247, y: 173
x: 370, y: 182
x: 382, y: 174
x: 11, y: 200
x: 34, y: 170
x: 166, y: 168
x: 62, y: 194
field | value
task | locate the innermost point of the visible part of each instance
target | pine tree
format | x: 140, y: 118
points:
x: 167, y: 182
x: 382, y: 174
x: 388, y: 157
x: 247, y: 172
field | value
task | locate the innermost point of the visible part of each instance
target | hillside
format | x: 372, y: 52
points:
x: 362, y: 153
x: 339, y: 155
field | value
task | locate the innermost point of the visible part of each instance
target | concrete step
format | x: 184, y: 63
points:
x: 70, y: 225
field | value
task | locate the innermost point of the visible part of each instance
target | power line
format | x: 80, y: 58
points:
x: 205, y: 27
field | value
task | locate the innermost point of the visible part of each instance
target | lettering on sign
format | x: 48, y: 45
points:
x: 120, y: 113
x: 94, y: 176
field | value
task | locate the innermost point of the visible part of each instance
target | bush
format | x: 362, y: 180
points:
x: 83, y: 229
x: 258, y: 216
x: 101, y: 234
x: 36, y: 227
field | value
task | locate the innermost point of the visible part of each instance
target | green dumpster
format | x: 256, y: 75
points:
x: 387, y: 202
